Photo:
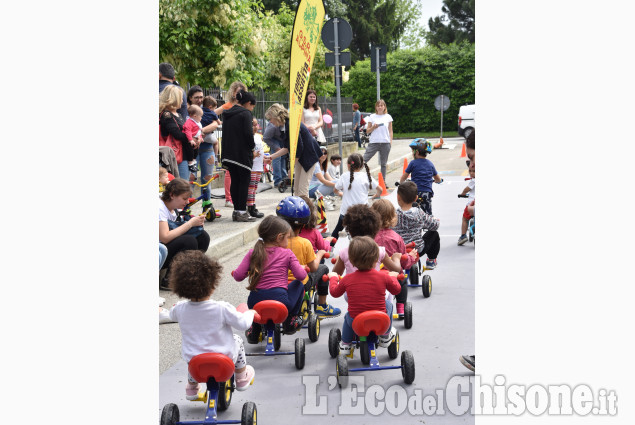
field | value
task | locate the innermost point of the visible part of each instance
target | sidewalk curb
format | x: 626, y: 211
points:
x: 225, y: 245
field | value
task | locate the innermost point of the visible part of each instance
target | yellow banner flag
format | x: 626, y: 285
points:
x: 306, y: 35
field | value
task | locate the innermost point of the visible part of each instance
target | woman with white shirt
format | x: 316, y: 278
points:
x: 312, y: 117
x: 379, y: 127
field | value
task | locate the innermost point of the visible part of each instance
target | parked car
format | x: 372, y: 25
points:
x: 466, y: 120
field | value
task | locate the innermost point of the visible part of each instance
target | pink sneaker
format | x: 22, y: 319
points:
x: 191, y: 391
x: 245, y: 379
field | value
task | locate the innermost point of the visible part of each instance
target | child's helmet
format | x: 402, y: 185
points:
x: 294, y: 210
x: 422, y: 145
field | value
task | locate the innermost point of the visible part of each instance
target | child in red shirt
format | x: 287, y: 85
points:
x: 393, y: 243
x: 365, y: 288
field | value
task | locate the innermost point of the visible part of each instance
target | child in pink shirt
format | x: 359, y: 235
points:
x: 394, y: 244
x: 311, y: 233
x: 194, y: 132
x: 267, y: 266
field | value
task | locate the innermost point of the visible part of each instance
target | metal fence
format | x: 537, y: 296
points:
x: 328, y: 105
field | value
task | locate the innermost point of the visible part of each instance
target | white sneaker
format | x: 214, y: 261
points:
x: 229, y: 204
x: 345, y: 348
x: 385, y: 340
x: 161, y: 301
x: 164, y: 316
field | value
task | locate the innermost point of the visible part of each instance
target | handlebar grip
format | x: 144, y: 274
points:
x: 334, y: 241
x: 325, y: 278
x: 411, y: 245
x: 327, y: 255
x: 307, y: 269
x: 333, y: 260
x: 401, y: 276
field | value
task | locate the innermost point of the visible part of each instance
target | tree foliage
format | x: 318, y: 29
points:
x: 210, y: 42
x: 413, y: 81
x: 460, y: 14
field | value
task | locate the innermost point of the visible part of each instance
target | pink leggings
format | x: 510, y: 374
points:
x: 253, y: 186
x: 228, y: 182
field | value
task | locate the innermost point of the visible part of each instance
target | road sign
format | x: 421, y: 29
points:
x: 383, y: 49
x: 344, y: 34
x: 442, y: 100
x: 345, y: 59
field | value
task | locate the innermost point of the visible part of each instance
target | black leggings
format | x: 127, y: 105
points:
x: 185, y: 243
x: 338, y: 227
x: 241, y: 177
x: 431, y: 244
x: 402, y: 297
x: 315, y: 279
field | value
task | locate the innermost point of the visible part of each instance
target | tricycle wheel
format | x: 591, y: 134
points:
x: 248, y: 416
x: 277, y: 337
x: 211, y: 213
x: 413, y: 276
x: 426, y: 286
x: 393, y: 348
x: 364, y: 353
x: 314, y: 328
x: 299, y: 353
x: 282, y: 187
x: 407, y: 315
x: 335, y: 336
x: 407, y: 367
x: 170, y: 414
x: 225, y: 390
x: 341, y: 368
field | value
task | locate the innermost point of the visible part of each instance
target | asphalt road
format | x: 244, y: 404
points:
x: 443, y: 329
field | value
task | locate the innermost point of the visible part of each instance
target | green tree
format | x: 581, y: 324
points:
x: 210, y: 42
x: 414, y: 80
x: 460, y: 27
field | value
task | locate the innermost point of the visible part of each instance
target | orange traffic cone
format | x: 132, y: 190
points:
x: 382, y: 185
x: 438, y: 145
x: 405, y: 164
x: 463, y: 153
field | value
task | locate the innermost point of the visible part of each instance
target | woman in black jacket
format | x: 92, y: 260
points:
x: 171, y: 124
x: 237, y: 150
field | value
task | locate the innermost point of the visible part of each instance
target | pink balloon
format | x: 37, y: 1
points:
x: 327, y: 118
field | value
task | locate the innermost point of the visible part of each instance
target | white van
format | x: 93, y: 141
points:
x: 466, y: 120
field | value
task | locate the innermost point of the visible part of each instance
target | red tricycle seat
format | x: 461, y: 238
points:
x: 371, y: 321
x: 211, y: 365
x: 271, y: 310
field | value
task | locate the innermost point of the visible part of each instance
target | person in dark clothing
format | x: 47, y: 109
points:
x: 171, y: 123
x: 237, y: 147
x: 307, y: 152
x: 167, y: 78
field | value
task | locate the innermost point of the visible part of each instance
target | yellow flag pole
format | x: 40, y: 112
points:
x: 304, y: 40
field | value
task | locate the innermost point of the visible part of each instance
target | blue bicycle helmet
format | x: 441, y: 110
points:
x: 422, y: 145
x: 294, y: 210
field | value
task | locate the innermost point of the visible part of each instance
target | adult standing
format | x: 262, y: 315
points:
x: 357, y: 124
x: 205, y: 156
x: 176, y: 196
x: 379, y: 127
x: 230, y: 98
x: 167, y: 76
x: 273, y: 137
x: 312, y: 116
x: 307, y: 151
x: 171, y: 124
x: 237, y: 151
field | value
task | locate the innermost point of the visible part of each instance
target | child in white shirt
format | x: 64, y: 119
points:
x: 206, y: 325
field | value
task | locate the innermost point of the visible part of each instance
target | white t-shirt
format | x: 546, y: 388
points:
x: 358, y: 193
x: 259, y: 148
x: 206, y: 327
x: 380, y: 134
x: 164, y: 213
x: 472, y: 193
x: 333, y: 171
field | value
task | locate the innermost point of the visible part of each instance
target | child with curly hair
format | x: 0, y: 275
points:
x: 266, y: 267
x: 206, y: 325
x: 394, y: 245
x: 355, y: 185
x: 365, y: 289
